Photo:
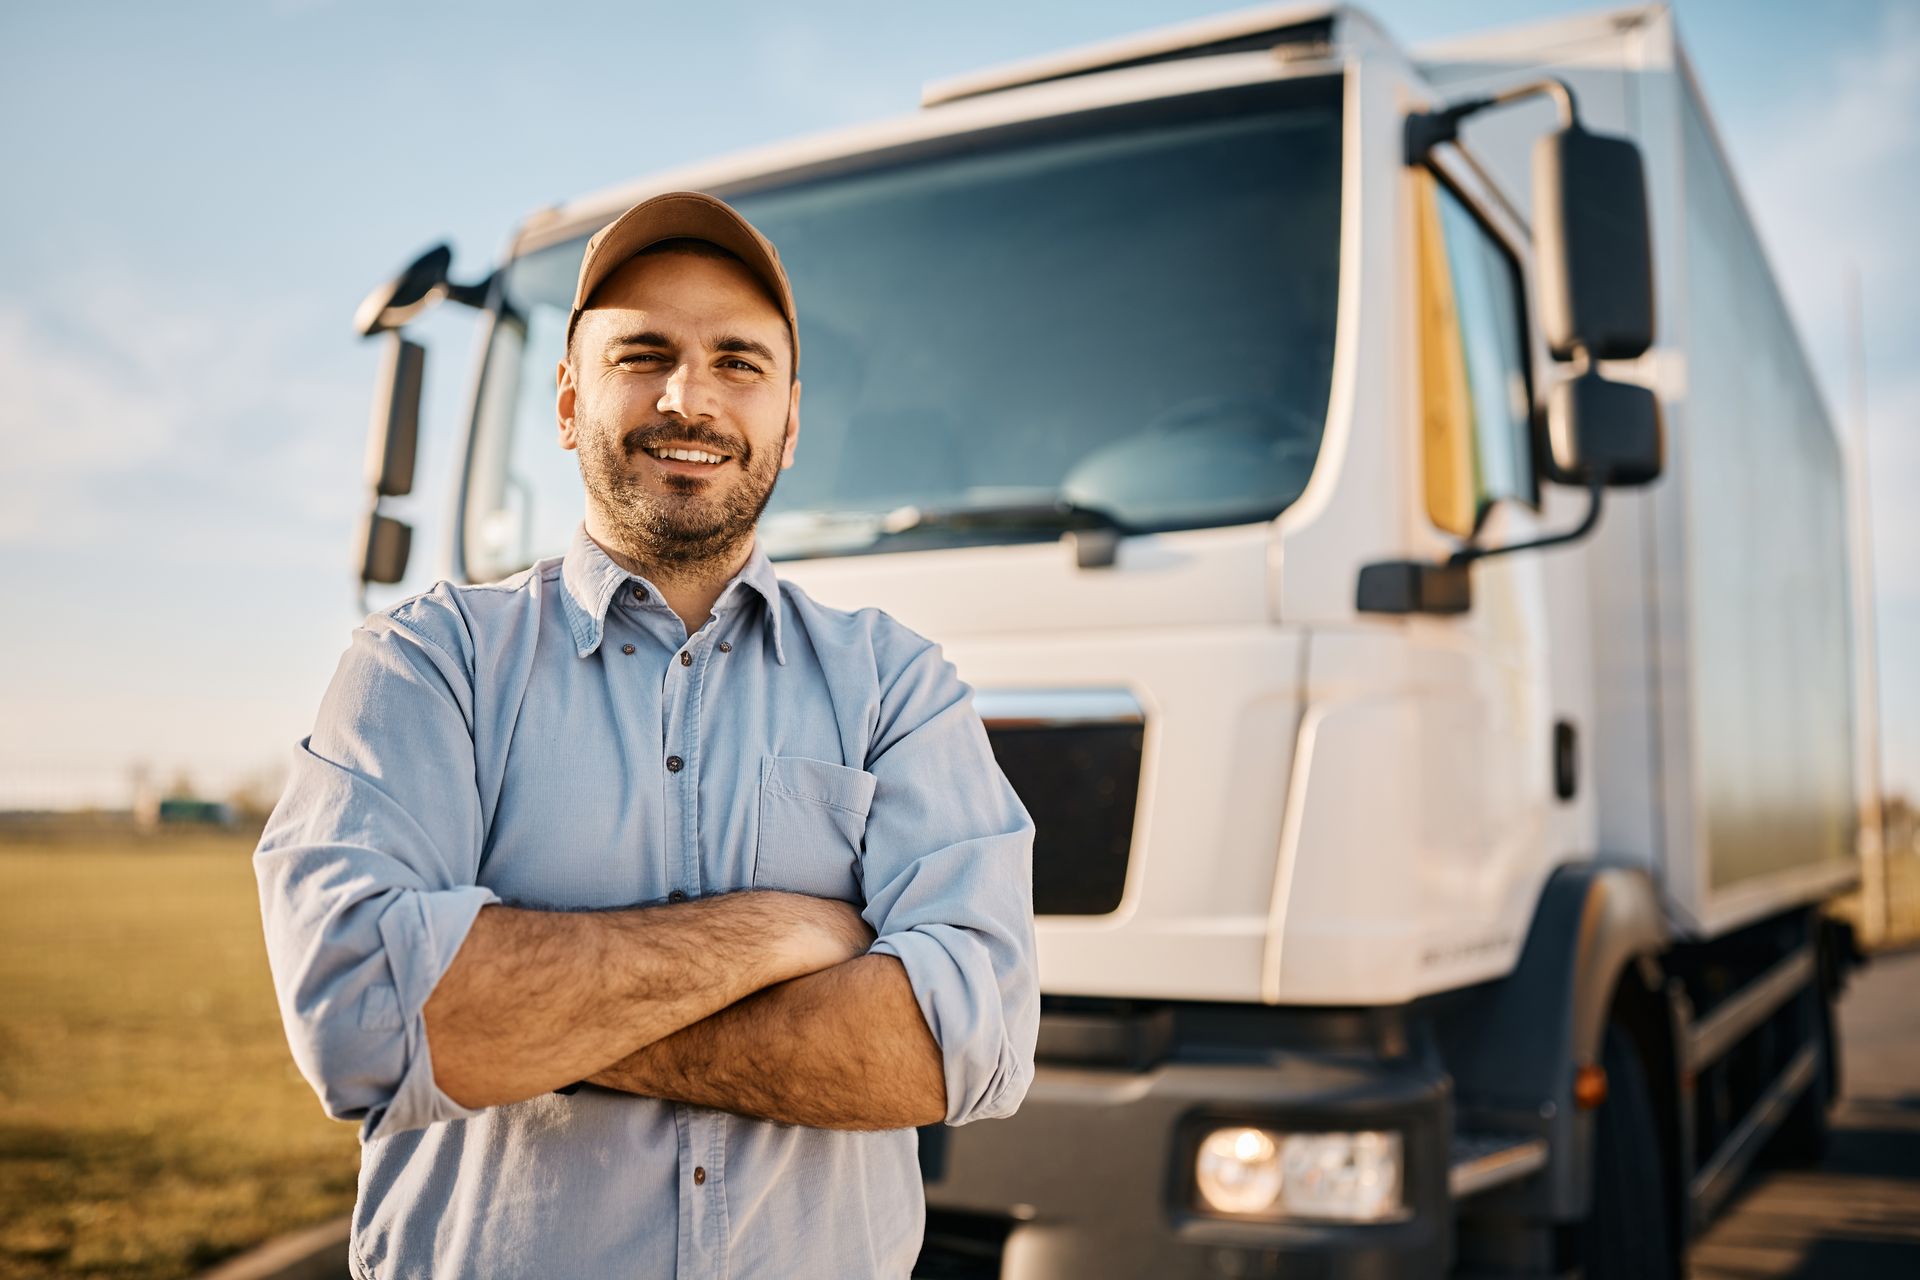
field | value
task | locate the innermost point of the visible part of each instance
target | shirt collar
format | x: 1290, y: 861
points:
x: 591, y: 579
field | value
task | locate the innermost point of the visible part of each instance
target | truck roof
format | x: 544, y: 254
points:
x: 1290, y: 29
x: 1308, y: 28
x: 1540, y: 41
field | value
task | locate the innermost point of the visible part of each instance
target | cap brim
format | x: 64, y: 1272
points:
x: 683, y: 215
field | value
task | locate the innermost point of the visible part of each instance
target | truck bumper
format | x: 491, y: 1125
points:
x: 1093, y: 1177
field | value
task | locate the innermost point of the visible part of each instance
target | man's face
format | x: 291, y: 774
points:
x: 680, y: 399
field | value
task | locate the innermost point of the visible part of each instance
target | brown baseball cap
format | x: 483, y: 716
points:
x: 691, y: 215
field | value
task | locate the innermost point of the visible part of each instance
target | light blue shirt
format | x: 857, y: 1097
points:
x: 559, y: 741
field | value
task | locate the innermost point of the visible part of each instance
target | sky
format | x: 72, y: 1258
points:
x: 194, y: 198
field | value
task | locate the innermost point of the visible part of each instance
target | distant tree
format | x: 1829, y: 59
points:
x: 1900, y: 823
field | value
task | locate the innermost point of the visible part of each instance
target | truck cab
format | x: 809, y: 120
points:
x: 1347, y: 570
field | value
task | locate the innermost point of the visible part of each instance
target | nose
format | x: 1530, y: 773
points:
x: 687, y: 393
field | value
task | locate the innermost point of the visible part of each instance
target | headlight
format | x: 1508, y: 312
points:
x: 1346, y: 1177
x: 1239, y: 1170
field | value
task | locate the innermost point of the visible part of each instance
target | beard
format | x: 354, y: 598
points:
x: 696, y: 520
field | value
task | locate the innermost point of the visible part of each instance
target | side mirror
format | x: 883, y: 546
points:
x: 385, y: 544
x: 1603, y: 432
x: 393, y: 436
x: 419, y: 285
x: 393, y: 439
x: 1594, y: 244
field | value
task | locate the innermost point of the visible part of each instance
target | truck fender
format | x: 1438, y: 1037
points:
x: 1515, y: 1045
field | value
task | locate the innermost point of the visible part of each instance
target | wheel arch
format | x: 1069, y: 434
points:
x: 1515, y: 1046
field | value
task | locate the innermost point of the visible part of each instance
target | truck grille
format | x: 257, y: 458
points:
x: 1075, y: 762
x: 962, y: 1246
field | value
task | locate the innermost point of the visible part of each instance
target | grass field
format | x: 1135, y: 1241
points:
x: 151, y: 1121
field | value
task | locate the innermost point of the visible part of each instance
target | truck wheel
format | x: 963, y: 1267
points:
x: 1625, y: 1236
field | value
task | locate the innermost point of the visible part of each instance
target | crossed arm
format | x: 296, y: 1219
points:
x: 844, y: 1048
x: 412, y: 996
x: 847, y: 1045
x: 675, y: 1002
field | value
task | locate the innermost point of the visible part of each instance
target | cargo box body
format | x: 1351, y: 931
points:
x: 1724, y: 644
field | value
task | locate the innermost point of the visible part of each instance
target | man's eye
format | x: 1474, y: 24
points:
x: 642, y: 357
x: 740, y: 364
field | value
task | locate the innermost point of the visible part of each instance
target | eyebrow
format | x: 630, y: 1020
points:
x: 745, y: 347
x: 651, y: 338
x: 731, y: 345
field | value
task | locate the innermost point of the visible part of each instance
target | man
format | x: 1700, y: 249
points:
x: 833, y: 941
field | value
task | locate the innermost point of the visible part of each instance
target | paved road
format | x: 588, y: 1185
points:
x: 1856, y: 1216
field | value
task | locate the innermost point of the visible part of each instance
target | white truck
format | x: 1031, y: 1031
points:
x: 1403, y: 558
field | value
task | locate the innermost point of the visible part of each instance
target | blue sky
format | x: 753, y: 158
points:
x: 193, y: 198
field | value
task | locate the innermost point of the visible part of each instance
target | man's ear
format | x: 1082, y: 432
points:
x: 793, y: 425
x: 563, y: 404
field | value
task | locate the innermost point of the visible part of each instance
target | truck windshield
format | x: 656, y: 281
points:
x: 1128, y: 313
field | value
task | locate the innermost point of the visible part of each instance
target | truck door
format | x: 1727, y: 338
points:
x: 1488, y: 760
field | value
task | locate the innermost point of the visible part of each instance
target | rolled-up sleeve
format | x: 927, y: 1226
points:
x: 366, y: 872
x: 948, y: 867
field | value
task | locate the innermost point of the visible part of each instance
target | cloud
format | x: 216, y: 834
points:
x: 128, y: 415
x: 51, y: 388
x: 181, y: 471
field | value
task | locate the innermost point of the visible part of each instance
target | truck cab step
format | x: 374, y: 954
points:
x: 1479, y: 1162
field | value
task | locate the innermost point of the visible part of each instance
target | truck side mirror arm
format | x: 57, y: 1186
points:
x: 1446, y: 587
x: 1426, y: 130
x: 415, y: 289
x: 1595, y: 487
x: 1600, y: 434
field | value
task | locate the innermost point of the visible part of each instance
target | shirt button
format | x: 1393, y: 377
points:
x: 674, y: 763
x: 686, y: 659
x: 678, y: 895
x: 725, y: 647
x: 699, y: 1176
x: 626, y: 648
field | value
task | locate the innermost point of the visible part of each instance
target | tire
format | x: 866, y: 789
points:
x: 1627, y: 1235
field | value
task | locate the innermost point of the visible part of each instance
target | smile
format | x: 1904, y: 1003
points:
x: 689, y: 455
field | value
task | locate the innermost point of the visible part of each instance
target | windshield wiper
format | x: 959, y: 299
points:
x: 1096, y: 533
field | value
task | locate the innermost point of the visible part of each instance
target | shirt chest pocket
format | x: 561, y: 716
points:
x: 813, y: 824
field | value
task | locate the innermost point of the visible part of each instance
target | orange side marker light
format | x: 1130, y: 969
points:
x: 1589, y: 1086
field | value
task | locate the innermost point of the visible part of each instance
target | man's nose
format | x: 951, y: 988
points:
x: 686, y: 393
